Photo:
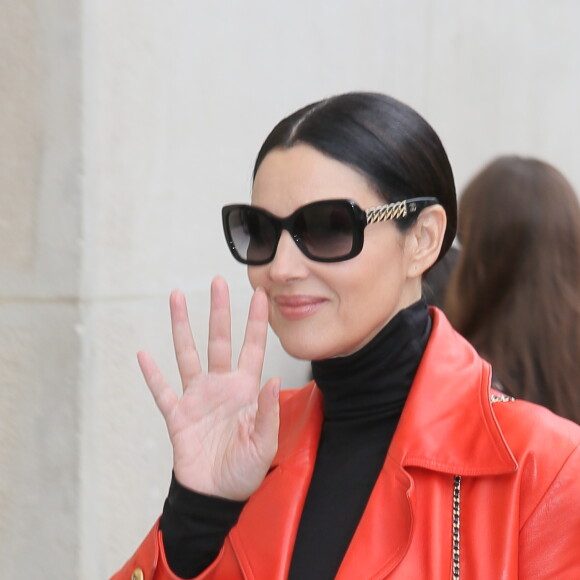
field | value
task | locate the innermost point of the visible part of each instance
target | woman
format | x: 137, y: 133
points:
x: 398, y: 460
x: 515, y: 294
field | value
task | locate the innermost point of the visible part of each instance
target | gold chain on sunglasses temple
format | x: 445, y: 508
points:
x: 391, y: 211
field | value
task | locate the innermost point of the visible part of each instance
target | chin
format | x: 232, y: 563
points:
x: 299, y: 351
x: 298, y: 348
x: 302, y: 348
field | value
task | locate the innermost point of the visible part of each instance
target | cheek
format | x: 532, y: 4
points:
x: 374, y: 288
x: 255, y: 276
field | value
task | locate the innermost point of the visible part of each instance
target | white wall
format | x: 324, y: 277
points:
x: 40, y: 257
x: 124, y: 127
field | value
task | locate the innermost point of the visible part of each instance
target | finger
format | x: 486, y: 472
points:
x: 268, y: 419
x: 219, y: 349
x: 252, y: 351
x: 183, y: 343
x: 164, y: 396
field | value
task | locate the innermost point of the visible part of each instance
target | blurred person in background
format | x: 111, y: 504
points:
x: 515, y: 293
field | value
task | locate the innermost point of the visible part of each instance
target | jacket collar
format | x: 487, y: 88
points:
x: 447, y: 425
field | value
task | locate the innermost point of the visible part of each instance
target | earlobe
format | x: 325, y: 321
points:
x: 428, y: 235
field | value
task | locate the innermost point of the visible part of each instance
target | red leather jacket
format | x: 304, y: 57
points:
x: 474, y: 485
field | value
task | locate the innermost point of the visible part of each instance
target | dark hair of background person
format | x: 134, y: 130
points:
x: 381, y: 138
x: 515, y: 294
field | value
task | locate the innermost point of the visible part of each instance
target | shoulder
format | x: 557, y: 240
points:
x: 530, y: 428
x: 546, y: 448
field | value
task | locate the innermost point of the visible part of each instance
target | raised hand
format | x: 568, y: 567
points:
x: 224, y: 428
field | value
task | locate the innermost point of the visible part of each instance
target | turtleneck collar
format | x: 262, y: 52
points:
x: 375, y: 381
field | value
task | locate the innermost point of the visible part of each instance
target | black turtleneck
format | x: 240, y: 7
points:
x: 364, y: 394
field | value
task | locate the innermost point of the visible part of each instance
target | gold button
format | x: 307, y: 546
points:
x: 137, y: 574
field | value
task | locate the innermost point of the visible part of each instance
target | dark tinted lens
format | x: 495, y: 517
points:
x: 326, y: 230
x: 253, y: 234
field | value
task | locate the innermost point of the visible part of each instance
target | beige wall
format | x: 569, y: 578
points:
x: 40, y: 257
x: 124, y: 126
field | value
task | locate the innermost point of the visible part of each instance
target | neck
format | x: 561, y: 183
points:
x: 376, y: 379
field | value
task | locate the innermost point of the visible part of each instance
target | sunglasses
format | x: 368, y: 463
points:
x: 331, y: 230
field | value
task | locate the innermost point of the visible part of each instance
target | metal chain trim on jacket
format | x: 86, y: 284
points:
x: 501, y: 398
x: 456, y: 523
x: 457, y: 502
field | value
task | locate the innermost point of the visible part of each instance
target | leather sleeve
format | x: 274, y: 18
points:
x: 550, y: 537
x: 149, y: 563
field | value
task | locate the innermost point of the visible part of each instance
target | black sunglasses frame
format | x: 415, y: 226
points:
x: 360, y: 219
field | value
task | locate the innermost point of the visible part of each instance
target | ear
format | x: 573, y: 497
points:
x: 424, y: 240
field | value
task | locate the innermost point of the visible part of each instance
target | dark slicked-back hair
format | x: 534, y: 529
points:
x: 383, y: 139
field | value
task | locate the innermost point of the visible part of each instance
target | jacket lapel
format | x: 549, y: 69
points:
x: 384, y: 532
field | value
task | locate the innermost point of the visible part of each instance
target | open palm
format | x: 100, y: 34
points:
x: 224, y: 428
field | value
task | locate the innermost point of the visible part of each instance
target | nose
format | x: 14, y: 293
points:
x: 289, y: 262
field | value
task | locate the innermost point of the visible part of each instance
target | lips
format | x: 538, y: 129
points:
x: 296, y: 307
